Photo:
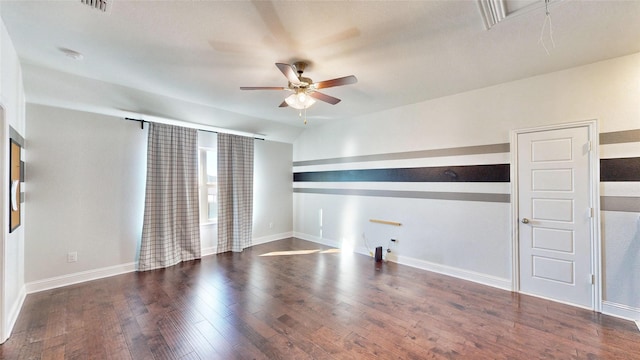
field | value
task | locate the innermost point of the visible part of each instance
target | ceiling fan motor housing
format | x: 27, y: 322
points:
x: 300, y: 66
x: 305, y: 83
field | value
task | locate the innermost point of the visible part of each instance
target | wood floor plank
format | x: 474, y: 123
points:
x: 252, y: 321
x: 54, y: 353
x: 331, y: 342
x: 224, y: 349
x: 136, y: 341
x: 322, y: 305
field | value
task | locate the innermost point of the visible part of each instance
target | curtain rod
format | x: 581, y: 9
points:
x: 199, y: 129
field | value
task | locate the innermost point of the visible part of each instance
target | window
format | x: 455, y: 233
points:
x: 208, y: 186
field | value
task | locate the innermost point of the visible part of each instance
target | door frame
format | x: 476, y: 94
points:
x: 594, y: 200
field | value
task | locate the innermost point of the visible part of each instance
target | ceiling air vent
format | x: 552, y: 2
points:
x: 102, y: 5
x: 493, y: 11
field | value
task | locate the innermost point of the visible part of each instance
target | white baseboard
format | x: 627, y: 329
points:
x: 621, y: 311
x: 493, y: 281
x: 208, y: 251
x: 256, y: 241
x: 75, y: 278
x: 270, y: 238
x: 13, y: 314
x: 331, y: 243
x: 317, y: 239
x: 500, y: 283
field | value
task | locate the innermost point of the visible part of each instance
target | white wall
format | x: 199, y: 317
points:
x: 86, y: 178
x: 272, y: 196
x: 12, y: 100
x: 607, y: 91
x: 467, y: 238
x: 11, y: 244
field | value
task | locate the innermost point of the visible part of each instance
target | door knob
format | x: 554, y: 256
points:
x: 525, y: 220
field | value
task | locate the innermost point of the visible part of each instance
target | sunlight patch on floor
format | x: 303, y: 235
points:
x: 300, y: 252
x: 330, y: 251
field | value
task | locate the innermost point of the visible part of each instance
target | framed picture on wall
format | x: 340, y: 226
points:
x: 15, y: 170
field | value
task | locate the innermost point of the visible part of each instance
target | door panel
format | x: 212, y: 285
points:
x: 552, y: 180
x: 553, y: 205
x: 553, y: 269
x: 553, y: 239
x: 546, y: 150
x: 559, y: 210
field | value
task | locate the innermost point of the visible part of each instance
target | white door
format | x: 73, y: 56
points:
x: 555, y: 215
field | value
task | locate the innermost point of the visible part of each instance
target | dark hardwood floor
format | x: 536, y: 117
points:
x: 322, y: 305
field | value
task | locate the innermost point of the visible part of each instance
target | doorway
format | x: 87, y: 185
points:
x: 556, y: 213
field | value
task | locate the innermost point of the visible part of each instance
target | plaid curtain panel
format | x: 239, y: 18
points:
x: 171, y: 226
x: 235, y: 192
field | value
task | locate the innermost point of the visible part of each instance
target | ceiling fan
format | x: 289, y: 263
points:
x: 304, y: 90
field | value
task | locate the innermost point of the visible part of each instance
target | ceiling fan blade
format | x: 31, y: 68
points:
x: 324, y: 97
x: 262, y: 88
x: 336, y: 82
x: 288, y: 71
x: 284, y: 104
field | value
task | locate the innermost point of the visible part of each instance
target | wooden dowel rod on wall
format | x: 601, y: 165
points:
x: 385, y: 222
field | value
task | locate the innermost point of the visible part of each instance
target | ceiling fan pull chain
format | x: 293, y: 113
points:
x: 547, y: 19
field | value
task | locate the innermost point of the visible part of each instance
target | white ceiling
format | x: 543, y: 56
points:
x: 187, y: 59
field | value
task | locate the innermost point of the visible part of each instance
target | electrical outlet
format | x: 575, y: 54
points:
x: 72, y: 257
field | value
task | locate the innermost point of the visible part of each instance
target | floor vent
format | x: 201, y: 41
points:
x: 102, y: 5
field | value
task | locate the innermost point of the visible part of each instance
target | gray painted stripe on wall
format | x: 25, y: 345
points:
x: 15, y: 135
x: 501, y: 198
x: 459, y: 151
x: 607, y: 203
x: 618, y: 137
x: 620, y: 203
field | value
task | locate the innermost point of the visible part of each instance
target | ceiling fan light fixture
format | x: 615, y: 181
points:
x: 299, y: 101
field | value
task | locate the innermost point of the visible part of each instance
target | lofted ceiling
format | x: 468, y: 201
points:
x: 186, y: 60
